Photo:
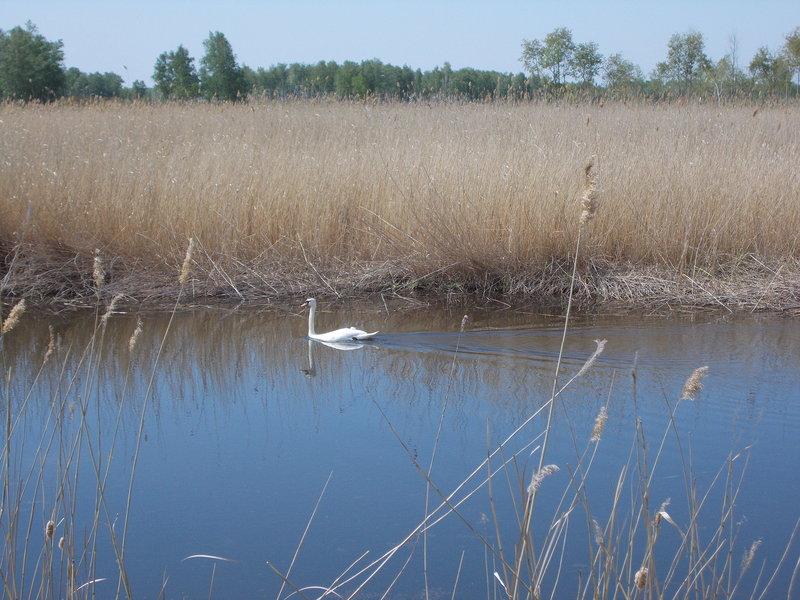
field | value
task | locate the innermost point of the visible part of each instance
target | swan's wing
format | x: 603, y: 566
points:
x: 348, y: 334
x: 363, y: 335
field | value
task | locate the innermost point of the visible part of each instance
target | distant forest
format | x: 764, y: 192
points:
x: 32, y: 68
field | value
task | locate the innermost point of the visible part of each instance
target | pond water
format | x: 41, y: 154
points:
x: 227, y: 434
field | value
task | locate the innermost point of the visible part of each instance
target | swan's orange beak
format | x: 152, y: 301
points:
x: 304, y: 304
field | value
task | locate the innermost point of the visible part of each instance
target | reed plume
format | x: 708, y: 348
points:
x: 640, y: 579
x: 99, y: 272
x: 135, y: 335
x: 538, y: 477
x: 747, y: 559
x: 111, y: 306
x: 13, y: 317
x: 601, y: 345
x: 51, y: 345
x: 599, y: 425
x: 694, y: 383
x: 589, y: 198
x: 186, y: 268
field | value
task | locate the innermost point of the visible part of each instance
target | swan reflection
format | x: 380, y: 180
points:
x: 311, y: 371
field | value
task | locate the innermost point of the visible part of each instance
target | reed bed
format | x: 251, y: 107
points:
x: 699, y: 201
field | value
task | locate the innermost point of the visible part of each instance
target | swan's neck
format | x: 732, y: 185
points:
x: 311, y: 314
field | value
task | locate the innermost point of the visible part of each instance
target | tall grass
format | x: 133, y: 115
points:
x: 55, y: 543
x: 332, y: 197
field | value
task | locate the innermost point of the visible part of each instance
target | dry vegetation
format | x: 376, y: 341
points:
x: 698, y: 204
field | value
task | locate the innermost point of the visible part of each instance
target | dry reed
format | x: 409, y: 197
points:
x: 303, y: 197
x: 135, y: 335
x: 599, y: 424
x: 694, y: 384
x: 13, y: 317
x: 539, y: 476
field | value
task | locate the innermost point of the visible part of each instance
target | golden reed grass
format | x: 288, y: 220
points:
x: 694, y: 383
x: 282, y: 197
x: 13, y: 317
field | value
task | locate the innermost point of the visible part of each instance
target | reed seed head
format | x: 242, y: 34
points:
x: 640, y: 579
x: 51, y: 345
x: 111, y: 306
x: 663, y: 514
x: 538, y: 477
x: 694, y: 383
x: 13, y: 317
x: 464, y: 321
x: 599, y: 424
x: 135, y: 335
x: 99, y: 272
x: 747, y: 559
x: 186, y: 268
x: 589, y: 198
x: 61, y: 543
x: 598, y: 532
x: 601, y: 345
x: 49, y: 530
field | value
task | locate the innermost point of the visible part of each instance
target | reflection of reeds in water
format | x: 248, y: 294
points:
x: 78, y: 444
x: 77, y: 539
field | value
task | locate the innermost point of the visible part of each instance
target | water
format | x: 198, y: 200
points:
x: 241, y: 435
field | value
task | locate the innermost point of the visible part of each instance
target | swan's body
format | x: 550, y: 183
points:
x: 346, y: 334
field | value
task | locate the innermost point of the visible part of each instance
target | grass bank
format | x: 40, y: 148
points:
x: 698, y: 204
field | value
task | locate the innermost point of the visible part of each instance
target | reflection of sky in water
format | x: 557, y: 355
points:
x: 247, y: 422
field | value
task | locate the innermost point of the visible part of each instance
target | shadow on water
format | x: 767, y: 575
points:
x: 245, y: 420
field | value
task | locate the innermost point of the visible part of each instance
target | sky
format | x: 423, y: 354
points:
x: 126, y: 37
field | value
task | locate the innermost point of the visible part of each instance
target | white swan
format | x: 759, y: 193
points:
x: 347, y: 334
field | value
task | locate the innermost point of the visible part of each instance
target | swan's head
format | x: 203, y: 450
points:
x: 310, y: 302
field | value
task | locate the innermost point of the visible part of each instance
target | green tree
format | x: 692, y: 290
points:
x: 770, y: 72
x: 31, y: 68
x: 553, y: 56
x: 138, y: 89
x: 724, y: 77
x: 321, y: 78
x: 220, y: 77
x: 97, y: 85
x: 686, y: 61
x: 175, y: 76
x: 77, y: 84
x: 586, y: 62
x: 343, y: 81
x: 791, y: 50
x: 105, y: 85
x: 621, y: 75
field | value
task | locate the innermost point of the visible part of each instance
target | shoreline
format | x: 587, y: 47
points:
x: 70, y: 283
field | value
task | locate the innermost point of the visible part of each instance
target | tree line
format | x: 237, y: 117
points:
x: 31, y: 68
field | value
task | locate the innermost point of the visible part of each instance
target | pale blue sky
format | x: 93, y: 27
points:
x: 127, y: 37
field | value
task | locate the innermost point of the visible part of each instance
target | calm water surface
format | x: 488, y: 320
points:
x: 243, y: 427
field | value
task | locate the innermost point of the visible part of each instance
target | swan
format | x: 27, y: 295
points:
x: 347, y: 334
